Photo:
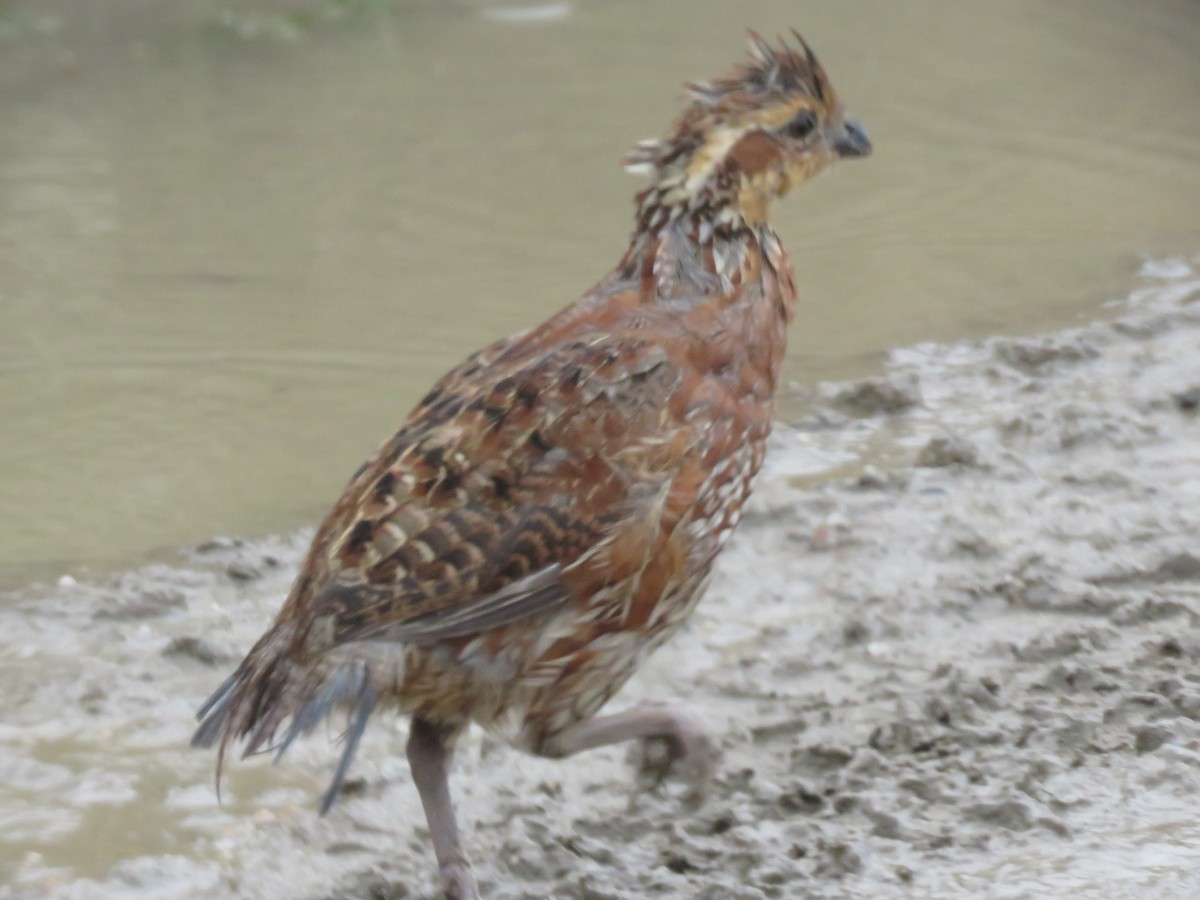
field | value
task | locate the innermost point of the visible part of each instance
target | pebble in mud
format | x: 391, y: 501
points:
x: 802, y: 798
x: 1188, y: 400
x: 838, y: 861
x: 1149, y: 738
x: 885, y: 394
x: 1033, y: 354
x: 243, y: 561
x: 1014, y: 815
x: 201, y: 650
x: 872, y: 479
x: 1183, y: 566
x: 220, y: 544
x: 947, y: 450
x: 250, y: 569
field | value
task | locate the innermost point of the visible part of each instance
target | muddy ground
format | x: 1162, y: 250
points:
x: 953, y: 651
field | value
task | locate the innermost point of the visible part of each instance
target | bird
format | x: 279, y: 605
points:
x: 549, y: 513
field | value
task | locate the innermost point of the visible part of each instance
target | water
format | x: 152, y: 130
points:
x: 236, y: 246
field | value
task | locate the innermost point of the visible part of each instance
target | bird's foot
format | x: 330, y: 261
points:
x: 457, y: 882
x: 686, y: 751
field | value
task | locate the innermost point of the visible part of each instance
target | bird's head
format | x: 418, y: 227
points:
x: 749, y: 136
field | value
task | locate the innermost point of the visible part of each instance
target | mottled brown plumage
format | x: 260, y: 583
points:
x: 548, y: 514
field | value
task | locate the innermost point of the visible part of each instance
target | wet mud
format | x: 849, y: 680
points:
x: 952, y: 651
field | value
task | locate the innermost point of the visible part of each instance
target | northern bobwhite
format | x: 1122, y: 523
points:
x: 549, y: 513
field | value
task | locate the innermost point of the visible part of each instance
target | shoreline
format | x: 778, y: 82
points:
x: 962, y: 664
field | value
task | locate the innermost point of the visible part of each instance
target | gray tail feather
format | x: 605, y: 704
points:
x: 364, y: 703
x: 255, y: 700
x: 214, y: 712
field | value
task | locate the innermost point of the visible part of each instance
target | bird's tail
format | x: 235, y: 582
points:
x: 269, y: 688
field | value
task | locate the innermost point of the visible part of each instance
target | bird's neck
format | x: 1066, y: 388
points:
x: 725, y: 285
x: 726, y: 282
x: 697, y: 247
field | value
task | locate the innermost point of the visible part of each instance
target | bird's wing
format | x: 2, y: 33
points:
x: 500, y: 482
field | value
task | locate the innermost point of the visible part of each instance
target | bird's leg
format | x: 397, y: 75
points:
x: 429, y: 750
x: 680, y: 734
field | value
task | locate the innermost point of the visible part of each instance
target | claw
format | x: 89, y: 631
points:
x: 687, y: 753
x: 456, y: 881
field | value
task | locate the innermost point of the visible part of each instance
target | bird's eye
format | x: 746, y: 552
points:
x: 801, y: 126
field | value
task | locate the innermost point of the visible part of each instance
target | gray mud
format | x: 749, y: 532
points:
x: 962, y: 664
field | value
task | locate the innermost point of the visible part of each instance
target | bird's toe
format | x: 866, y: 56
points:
x: 687, y: 753
x: 456, y: 881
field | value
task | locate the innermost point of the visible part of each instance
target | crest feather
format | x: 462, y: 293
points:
x: 776, y: 71
x: 775, y: 74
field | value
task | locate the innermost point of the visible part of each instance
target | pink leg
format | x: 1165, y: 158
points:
x: 429, y: 750
x: 679, y: 732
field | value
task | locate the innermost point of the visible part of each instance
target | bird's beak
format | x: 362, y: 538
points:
x: 851, y: 140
